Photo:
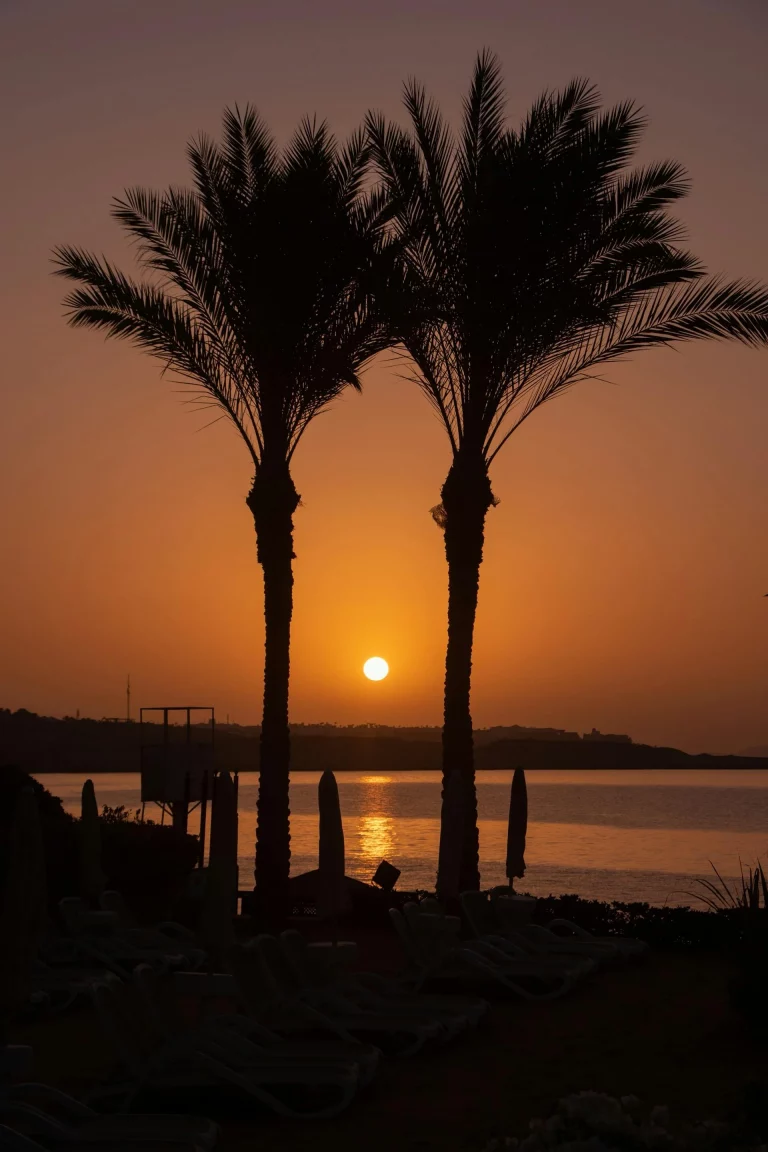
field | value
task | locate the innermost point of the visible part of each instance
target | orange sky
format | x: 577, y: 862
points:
x: 626, y: 563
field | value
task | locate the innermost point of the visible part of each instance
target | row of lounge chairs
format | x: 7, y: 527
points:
x: 497, y: 953
x: 294, y: 1044
x: 274, y: 1031
x: 96, y: 942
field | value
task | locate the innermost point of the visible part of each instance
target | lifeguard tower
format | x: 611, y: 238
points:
x: 177, y: 764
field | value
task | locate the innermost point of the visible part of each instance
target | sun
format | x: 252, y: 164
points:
x: 376, y: 668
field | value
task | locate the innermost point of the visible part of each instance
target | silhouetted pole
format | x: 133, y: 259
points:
x: 180, y: 810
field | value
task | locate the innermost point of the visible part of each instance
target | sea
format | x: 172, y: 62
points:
x: 649, y: 835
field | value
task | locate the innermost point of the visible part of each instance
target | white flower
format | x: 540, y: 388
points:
x: 597, y: 1111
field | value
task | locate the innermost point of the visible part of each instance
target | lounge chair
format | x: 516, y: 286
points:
x: 12, y: 1140
x: 97, y: 937
x: 485, y: 927
x: 289, y: 1088
x: 544, y: 941
x: 393, y: 1032
x: 62, y: 986
x: 266, y: 1013
x: 629, y: 946
x: 38, y: 1110
x: 166, y: 936
x: 227, y: 1032
x: 372, y: 992
x: 436, y: 958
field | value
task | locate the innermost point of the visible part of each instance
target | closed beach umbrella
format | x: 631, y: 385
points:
x: 23, y: 908
x: 518, y: 825
x: 220, y: 895
x: 332, y: 893
x: 451, y: 839
x: 223, y: 845
x: 92, y: 879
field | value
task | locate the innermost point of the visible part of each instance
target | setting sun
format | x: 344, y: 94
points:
x: 376, y: 668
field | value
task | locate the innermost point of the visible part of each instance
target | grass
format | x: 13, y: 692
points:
x: 745, y: 893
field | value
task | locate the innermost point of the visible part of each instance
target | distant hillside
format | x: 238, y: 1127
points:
x: 762, y: 750
x: 379, y: 731
x: 45, y: 744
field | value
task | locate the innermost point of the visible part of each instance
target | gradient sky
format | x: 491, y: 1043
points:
x: 626, y: 563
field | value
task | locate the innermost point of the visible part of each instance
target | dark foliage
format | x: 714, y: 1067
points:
x: 59, y: 831
x: 661, y: 927
x: 147, y: 863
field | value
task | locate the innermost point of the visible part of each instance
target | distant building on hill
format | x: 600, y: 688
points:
x: 607, y: 737
x: 519, y: 732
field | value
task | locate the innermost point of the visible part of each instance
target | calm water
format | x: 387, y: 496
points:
x: 612, y: 835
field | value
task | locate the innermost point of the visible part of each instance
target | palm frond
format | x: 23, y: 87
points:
x: 483, y: 120
x: 248, y: 150
x: 536, y: 255
x: 263, y: 276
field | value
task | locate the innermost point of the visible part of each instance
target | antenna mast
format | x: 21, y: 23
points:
x: 128, y: 698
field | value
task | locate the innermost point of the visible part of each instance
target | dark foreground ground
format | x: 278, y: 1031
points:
x: 662, y: 1031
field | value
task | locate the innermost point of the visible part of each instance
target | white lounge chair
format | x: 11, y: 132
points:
x: 12, y: 1140
x: 370, y: 991
x: 265, y: 1013
x: 168, y: 936
x: 481, y: 919
x: 41, y: 1111
x: 63, y: 986
x: 393, y: 1032
x: 542, y: 941
x: 629, y: 946
x: 97, y: 936
x: 436, y: 955
x: 291, y: 1089
x: 240, y: 1040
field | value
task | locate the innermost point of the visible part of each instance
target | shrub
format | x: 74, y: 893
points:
x: 146, y: 862
x: 667, y: 927
x: 59, y: 831
x: 594, y: 1122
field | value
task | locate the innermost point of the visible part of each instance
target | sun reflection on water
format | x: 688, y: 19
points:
x: 377, y: 838
x: 375, y: 826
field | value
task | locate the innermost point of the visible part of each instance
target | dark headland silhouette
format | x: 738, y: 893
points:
x: 48, y: 744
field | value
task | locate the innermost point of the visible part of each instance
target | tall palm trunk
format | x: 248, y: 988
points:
x: 273, y: 499
x: 466, y: 498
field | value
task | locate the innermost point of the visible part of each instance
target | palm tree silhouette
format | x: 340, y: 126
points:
x: 260, y: 296
x: 534, y: 256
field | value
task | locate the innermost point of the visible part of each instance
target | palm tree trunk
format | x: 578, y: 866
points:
x: 273, y: 499
x: 466, y: 498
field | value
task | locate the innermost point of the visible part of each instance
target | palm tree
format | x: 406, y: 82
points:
x: 535, y: 256
x: 259, y: 296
